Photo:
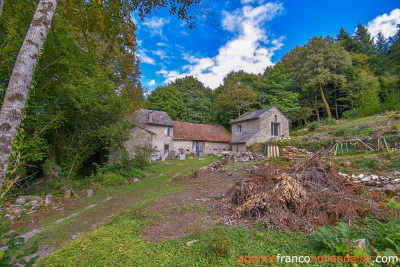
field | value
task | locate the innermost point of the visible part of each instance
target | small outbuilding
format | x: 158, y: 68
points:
x: 258, y: 126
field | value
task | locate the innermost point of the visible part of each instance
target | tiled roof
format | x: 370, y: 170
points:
x: 245, y: 136
x: 200, y: 132
x: 158, y: 117
x: 251, y: 115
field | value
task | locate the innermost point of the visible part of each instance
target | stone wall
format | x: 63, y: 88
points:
x: 141, y: 137
x: 246, y: 125
x: 269, y: 117
x: 238, y: 147
x: 210, y: 147
x: 138, y: 137
x: 215, y: 147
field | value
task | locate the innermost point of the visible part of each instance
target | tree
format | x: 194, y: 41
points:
x: 21, y: 77
x: 198, y: 104
x: 276, y: 91
x: 345, y: 40
x: 363, y: 41
x: 168, y: 99
x: 318, y: 63
x: 236, y: 97
x: 20, y: 80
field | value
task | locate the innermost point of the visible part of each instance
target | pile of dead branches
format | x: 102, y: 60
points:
x: 303, y: 197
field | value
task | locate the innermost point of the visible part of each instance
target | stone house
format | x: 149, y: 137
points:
x: 258, y: 126
x: 201, y: 139
x: 168, y: 138
x: 153, y: 128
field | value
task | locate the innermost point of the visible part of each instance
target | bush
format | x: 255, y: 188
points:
x: 133, y: 172
x: 313, y: 126
x: 142, y: 156
x: 395, y: 116
x: 394, y: 127
x: 342, y: 132
x: 351, y: 114
x: 329, y: 121
x: 112, y: 179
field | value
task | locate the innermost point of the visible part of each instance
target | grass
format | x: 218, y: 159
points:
x: 118, y: 242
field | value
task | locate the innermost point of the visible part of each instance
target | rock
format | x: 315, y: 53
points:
x: 361, y: 243
x: 366, y: 179
x: 354, y: 177
x: 136, y: 180
x: 347, y: 164
x: 68, y: 194
x: 374, y: 177
x: 190, y: 243
x: 20, y: 201
x: 89, y: 192
x: 393, y: 190
x: 17, y: 211
x: 49, y: 199
x: 396, y: 181
x: 10, y: 217
x: 361, y: 176
x: 35, y: 203
x: 396, y: 173
x: 38, y: 199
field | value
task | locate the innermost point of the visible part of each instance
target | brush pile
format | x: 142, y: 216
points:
x: 245, y: 156
x: 303, y: 197
x: 294, y: 153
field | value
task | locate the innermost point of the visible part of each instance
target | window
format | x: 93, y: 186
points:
x: 239, y: 129
x: 276, y: 118
x: 275, y: 129
x: 170, y: 132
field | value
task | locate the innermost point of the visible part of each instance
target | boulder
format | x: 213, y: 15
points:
x: 89, y: 192
x: 49, y: 199
x: 20, y: 201
x: 393, y: 190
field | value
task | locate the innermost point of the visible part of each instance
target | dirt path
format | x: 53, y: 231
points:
x: 185, y: 213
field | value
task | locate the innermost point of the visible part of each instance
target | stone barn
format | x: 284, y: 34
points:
x: 201, y: 139
x: 258, y: 126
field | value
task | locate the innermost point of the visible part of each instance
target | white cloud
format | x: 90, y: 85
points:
x: 161, y: 53
x: 246, y: 51
x: 144, y: 58
x: 386, y: 24
x: 152, y: 82
x: 155, y: 25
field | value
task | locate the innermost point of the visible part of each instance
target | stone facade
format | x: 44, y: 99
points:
x: 257, y: 125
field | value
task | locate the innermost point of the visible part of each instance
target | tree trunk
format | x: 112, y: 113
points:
x: 316, y: 108
x: 1, y: 7
x: 20, y: 80
x: 328, y: 110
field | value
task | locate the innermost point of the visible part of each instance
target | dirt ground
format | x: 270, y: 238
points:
x: 192, y: 211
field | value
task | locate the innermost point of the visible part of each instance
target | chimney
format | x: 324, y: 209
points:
x: 150, y: 116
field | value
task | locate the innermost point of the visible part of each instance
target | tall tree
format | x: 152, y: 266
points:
x: 20, y: 80
x: 318, y: 63
x: 197, y: 101
x: 363, y: 41
x: 168, y: 99
x: 277, y: 91
x: 236, y: 97
x: 345, y: 40
x: 102, y: 13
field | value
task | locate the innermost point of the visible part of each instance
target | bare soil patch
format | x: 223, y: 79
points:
x: 189, y: 212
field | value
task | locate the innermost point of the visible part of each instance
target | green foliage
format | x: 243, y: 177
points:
x: 343, y: 132
x: 394, y: 127
x: 113, y: 179
x: 12, y: 244
x: 142, y: 156
x: 218, y: 242
x: 371, y: 164
x: 313, y: 126
x: 275, y: 91
x: 168, y: 99
x: 329, y: 121
x: 351, y: 113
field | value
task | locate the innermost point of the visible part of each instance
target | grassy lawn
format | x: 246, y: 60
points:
x: 118, y: 242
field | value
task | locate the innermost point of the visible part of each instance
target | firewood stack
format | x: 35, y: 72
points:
x: 294, y: 153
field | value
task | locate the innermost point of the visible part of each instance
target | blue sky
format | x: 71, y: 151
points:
x: 248, y: 35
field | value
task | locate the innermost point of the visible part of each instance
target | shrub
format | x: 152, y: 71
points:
x: 342, y: 132
x: 351, y: 114
x: 142, y: 156
x: 112, y: 179
x: 394, y: 127
x: 395, y: 116
x: 329, y: 121
x: 133, y: 172
x: 313, y: 126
